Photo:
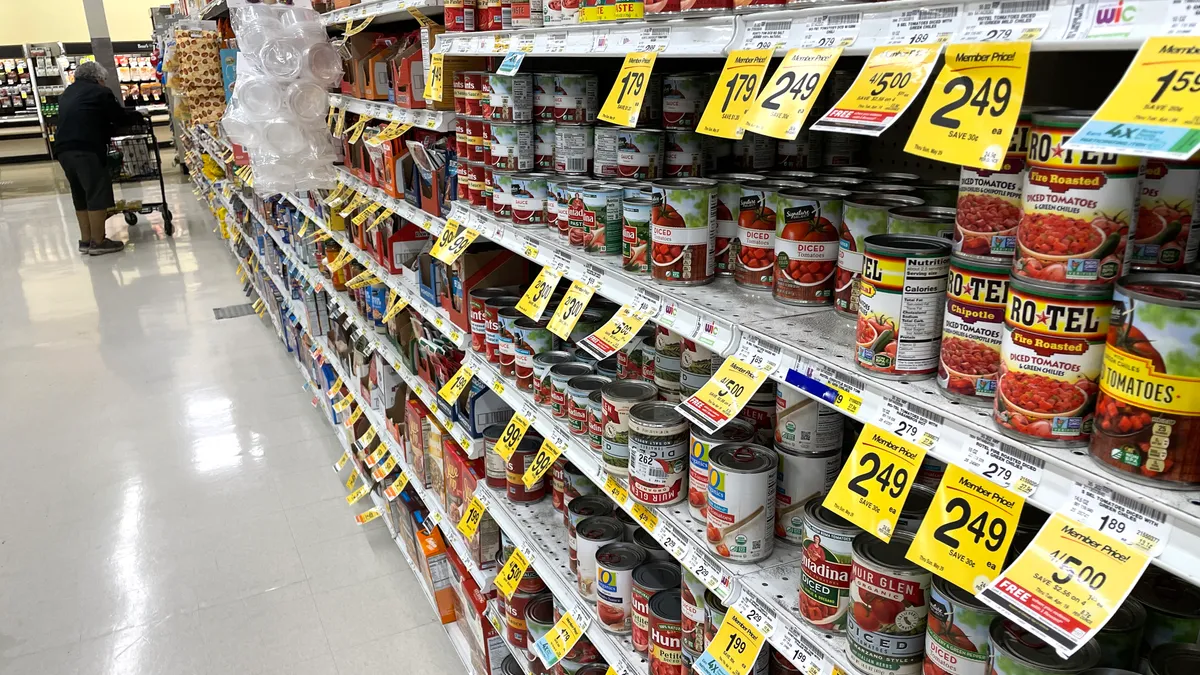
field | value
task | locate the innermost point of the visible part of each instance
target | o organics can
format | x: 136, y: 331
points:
x: 579, y: 388
x: 904, y: 275
x: 594, y: 218
x: 683, y: 98
x: 591, y: 534
x: 531, y: 338
x: 1167, y: 231
x: 543, y: 145
x: 573, y: 149
x: 618, y: 398
x: 511, y: 146
x: 615, y: 564
x: 509, y: 97
x: 515, y: 467
x: 933, y: 221
x: 666, y: 634
x: 635, y: 233
x: 649, y: 580
x: 956, y: 642
x: 604, y: 164
x: 640, y: 153
x: 477, y: 302
x: 683, y: 154
x: 508, y: 318
x: 1077, y: 207
x: 658, y: 454
x: 729, y: 205
x: 825, y: 569
x: 579, y: 509
x: 1050, y: 360
x: 1146, y: 426
x: 695, y: 367
x: 972, y: 328
x: 863, y: 214
x: 576, y: 98
x: 560, y: 375
x: 1172, y: 609
x: 491, y: 317
x: 528, y: 196
x: 741, y: 501
x: 808, y: 229
x: 701, y: 443
x: 1016, y: 651
x: 500, y: 184
x: 888, y: 596
x: 801, y: 477
x: 803, y: 424
x: 542, y: 363
x: 683, y: 231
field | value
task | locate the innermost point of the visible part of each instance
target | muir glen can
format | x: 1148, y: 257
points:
x: 700, y: 443
x: 658, y: 454
x: 888, y: 606
x: 956, y: 641
x: 729, y: 198
x: 825, y: 569
x: 649, y: 580
x: 808, y: 228
x: 683, y: 231
x: 741, y: 501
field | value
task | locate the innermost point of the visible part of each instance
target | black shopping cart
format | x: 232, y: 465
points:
x: 133, y: 157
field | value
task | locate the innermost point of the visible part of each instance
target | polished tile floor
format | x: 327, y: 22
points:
x: 166, y: 499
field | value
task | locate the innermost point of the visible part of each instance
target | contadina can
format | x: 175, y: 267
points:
x: 640, y: 153
x: 701, y: 443
x: 825, y: 569
x: 729, y: 199
x: 1051, y: 356
x: 631, y: 360
x: 591, y: 534
x: 972, y: 329
x: 904, y: 275
x: 594, y: 218
x: 528, y: 197
x: 666, y: 636
x: 576, y: 98
x: 863, y: 214
x: 1167, y: 233
x: 635, y: 233
x: 618, y: 398
x: 888, y: 607
x: 803, y: 424
x: 1077, y: 207
x: 595, y: 411
x: 658, y: 454
x: 1016, y: 651
x: 808, y: 228
x: 801, y: 476
x: 614, y: 585
x: 684, y: 96
x: 741, y: 501
x: 956, y: 641
x: 560, y: 375
x: 542, y: 363
x: 683, y: 231
x: 649, y: 580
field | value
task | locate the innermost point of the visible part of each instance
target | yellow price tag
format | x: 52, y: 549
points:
x: 341, y: 463
x: 354, y: 417
x: 725, y: 393
x: 371, y: 210
x: 376, y: 456
x: 615, y: 334
x: 624, y: 102
x: 965, y: 535
x: 433, y: 84
x: 398, y: 304
x: 341, y: 123
x: 329, y: 118
x: 366, y: 438
x: 874, y: 483
x: 570, y: 309
x: 646, y: 517
x: 357, y: 130
x: 890, y: 80
x: 846, y: 402
x: 368, y: 515
x: 392, y: 491
x: 735, y: 646
x: 472, y: 516
x: 784, y: 104
x: 511, y: 437
x: 421, y: 18
x: 380, y: 472
x: 385, y: 134
x: 456, y: 384
x: 736, y: 88
x: 545, y: 458
x: 338, y: 194
x: 616, y: 491
x: 336, y: 386
x: 350, y: 32
x: 456, y: 242
x: 972, y: 109
x: 510, y: 575
x: 449, y: 230
x: 351, y: 480
x: 358, y: 200
x: 358, y: 494
x: 346, y: 401
x: 561, y: 638
x: 537, y: 296
x: 387, y: 213
x: 303, y: 228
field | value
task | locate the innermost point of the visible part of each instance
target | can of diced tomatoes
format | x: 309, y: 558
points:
x: 825, y: 567
x: 658, y: 453
x: 666, y: 633
x: 1167, y: 232
x: 972, y: 328
x: 956, y: 642
x: 1051, y: 355
x: 729, y: 200
x: 741, y: 501
x: 752, y: 251
x: 649, y: 580
x: 989, y: 202
x: 683, y: 231
x: 615, y: 564
x: 1077, y: 207
x: 863, y: 214
x: 888, y: 607
x: 808, y: 228
x: 904, y: 275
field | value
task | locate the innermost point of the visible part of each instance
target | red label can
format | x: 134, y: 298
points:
x: 666, y: 634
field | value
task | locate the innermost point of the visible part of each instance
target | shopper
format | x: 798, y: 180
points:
x: 88, y: 114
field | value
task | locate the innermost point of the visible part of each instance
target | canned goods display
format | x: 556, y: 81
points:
x: 1077, y: 207
x: 579, y: 388
x: 957, y: 639
x: 972, y: 329
x: 542, y: 363
x: 903, y: 275
x: 683, y: 231
x: 615, y: 564
x: 491, y: 315
x: 1166, y: 233
x: 1146, y: 426
x: 1050, y: 359
x: 888, y: 607
x: 741, y: 501
x: 684, y: 96
x: 618, y: 398
x: 560, y: 375
x: 594, y: 217
x: 801, y: 476
x: 649, y: 580
x: 701, y: 443
x: 573, y: 151
x: 729, y: 199
x: 803, y: 424
x: 807, y: 235
x: 539, y: 619
x: 509, y: 98
x: 658, y: 454
x: 592, y: 534
x: 1172, y: 609
x: 863, y: 215
x: 933, y: 221
x: 635, y: 233
x: 666, y: 634
x: 826, y: 567
x: 1015, y: 651
x: 579, y: 509
x: 516, y: 466
x: 640, y: 153
x: 683, y: 154
x: 576, y: 97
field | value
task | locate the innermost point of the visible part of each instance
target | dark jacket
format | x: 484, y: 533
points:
x: 88, y: 115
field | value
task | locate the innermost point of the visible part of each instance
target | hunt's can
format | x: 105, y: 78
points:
x: 577, y: 510
x: 658, y: 453
x: 1051, y: 356
x: 863, y: 214
x: 573, y: 149
x: 825, y: 568
x: 491, y: 316
x: 741, y: 501
x: 666, y: 634
x: 472, y: 87
x: 684, y: 154
x: 560, y: 375
x: 683, y: 232
x: 635, y: 233
x: 476, y: 183
x: 640, y: 153
x: 801, y: 476
x: 729, y: 205
x: 888, y: 607
x: 808, y: 229
x: 695, y: 366
x: 591, y: 534
x: 803, y: 424
x: 579, y: 388
x: 477, y: 301
x: 511, y: 146
x: 594, y: 218
x: 542, y: 363
x: 956, y: 642
x: 904, y: 275
x: 649, y: 580
x: 604, y: 164
x: 576, y: 98
x: 1016, y: 651
x: 515, y: 623
x: 618, y: 398
x: 684, y: 96
x: 701, y: 443
x: 1167, y: 231
x: 615, y: 564
x: 509, y: 98
x: 972, y: 329
x: 528, y: 196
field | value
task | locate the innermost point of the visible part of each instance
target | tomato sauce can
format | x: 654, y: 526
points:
x: 888, y: 607
x: 476, y: 183
x: 635, y: 233
x: 683, y: 155
x: 515, y: 469
x: 1051, y: 356
x: 477, y: 132
x: 509, y: 98
x: 700, y: 444
x: 511, y: 146
x: 729, y: 199
x: 491, y: 316
x: 1016, y: 651
x: 989, y: 202
x: 577, y: 510
x: 528, y: 195
x: 631, y: 360
x: 604, y: 153
x: 1147, y: 422
x: 649, y: 579
x: 594, y: 217
x: 956, y: 641
x: 803, y: 424
x: 615, y: 564
x: 863, y: 214
x: 592, y: 534
x: 683, y: 231
x: 1077, y: 207
x: 543, y: 97
x: 574, y: 148
x: 825, y: 568
x: 618, y: 398
x: 684, y: 96
x: 499, y: 185
x: 972, y: 329
x: 808, y: 229
x: 658, y: 454
x: 904, y: 275
x: 666, y: 633
x: 579, y: 388
x: 801, y: 476
x: 576, y: 98
x: 640, y: 153
x: 695, y: 366
x: 530, y: 339
x: 472, y: 87
x: 515, y: 622
x: 1167, y: 230
x: 741, y: 501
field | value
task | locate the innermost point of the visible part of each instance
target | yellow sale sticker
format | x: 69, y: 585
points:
x: 646, y: 517
x: 545, y: 458
x: 380, y: 472
x: 570, y: 309
x: 341, y: 463
x: 615, y: 334
x: 351, y: 480
x: 537, y: 296
x: 511, y: 437
x: 358, y: 494
x: 725, y: 394
x: 433, y: 84
x: 888, y: 83
x: 784, y: 104
x: 398, y: 304
x: 872, y: 486
x: 555, y: 644
x: 734, y: 649
x: 624, y: 101
x: 368, y: 515
x: 472, y: 516
x: 737, y: 86
x: 510, y: 575
x: 463, y: 237
x: 616, y: 491
x: 457, y: 383
x: 392, y: 491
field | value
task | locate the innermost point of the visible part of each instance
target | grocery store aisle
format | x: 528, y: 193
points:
x: 166, y: 503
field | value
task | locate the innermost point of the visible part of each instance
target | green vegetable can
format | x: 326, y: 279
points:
x: 1016, y: 651
x: 863, y: 214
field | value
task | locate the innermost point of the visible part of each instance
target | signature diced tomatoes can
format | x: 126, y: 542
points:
x: 972, y: 328
x: 741, y: 501
x: 752, y: 251
x: 1167, y: 233
x: 888, y: 606
x: 683, y: 231
x: 808, y: 228
x: 729, y: 197
x: 825, y: 568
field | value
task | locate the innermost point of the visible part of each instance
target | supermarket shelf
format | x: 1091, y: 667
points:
x: 426, y: 119
x: 381, y: 11
x: 671, y: 38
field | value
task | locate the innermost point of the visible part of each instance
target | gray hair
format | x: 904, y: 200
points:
x: 91, y: 71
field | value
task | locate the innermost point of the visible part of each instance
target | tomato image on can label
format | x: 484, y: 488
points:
x: 972, y: 329
x: 1166, y: 234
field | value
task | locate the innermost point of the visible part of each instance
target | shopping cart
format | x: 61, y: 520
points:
x: 133, y: 158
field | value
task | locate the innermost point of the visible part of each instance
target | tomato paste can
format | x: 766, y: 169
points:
x: 509, y: 97
x: 518, y: 462
x: 527, y: 14
x: 683, y: 232
x: 591, y: 534
x: 741, y: 501
x: 956, y: 642
x: 631, y: 359
x: 594, y: 217
x: 511, y: 146
x: 972, y: 328
x: 1120, y: 639
x: 539, y: 619
x: 635, y: 233
x: 661, y: 8
x: 477, y: 301
x: 803, y: 424
x: 863, y: 214
x: 808, y: 229
x: 1051, y: 356
x: 491, y: 316
x: 700, y: 444
x: 658, y: 454
x: 573, y: 148
x: 577, y: 510
x: 684, y: 96
x: 683, y: 156
x: 576, y: 98
x: 640, y: 153
x: 1016, y: 651
x: 649, y: 579
x: 579, y: 388
x: 753, y: 152
x: 472, y: 87
x: 507, y: 321
x: 530, y: 339
x: 888, y: 607
x: 802, y: 475
x: 515, y: 624
x: 802, y: 153
x: 1172, y: 608
x: 542, y: 363
x: 1077, y: 207
x: 666, y: 633
x: 618, y: 398
x: 904, y: 275
x: 528, y: 196
x: 825, y: 568
x: 752, y: 251
x: 1145, y: 427
x: 760, y: 412
x: 560, y: 375
x: 729, y: 199
x: 695, y: 366
x: 493, y: 463
x: 1167, y: 230
x: 615, y: 564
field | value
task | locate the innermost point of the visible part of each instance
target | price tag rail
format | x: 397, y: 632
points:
x: 381, y: 11
x: 687, y: 38
x: 386, y: 112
